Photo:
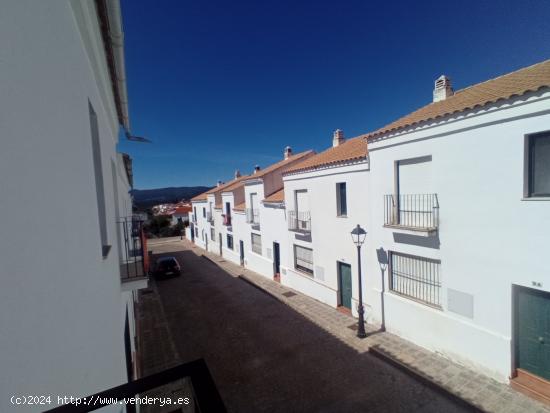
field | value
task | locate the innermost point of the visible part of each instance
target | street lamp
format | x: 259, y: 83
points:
x: 358, y: 236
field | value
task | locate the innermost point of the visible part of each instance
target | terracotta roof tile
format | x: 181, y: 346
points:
x: 517, y: 83
x: 282, y: 163
x: 350, y: 150
x: 240, y: 207
x: 276, y: 197
x: 216, y: 189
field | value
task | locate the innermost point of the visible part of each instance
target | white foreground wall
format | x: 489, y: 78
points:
x: 489, y: 238
x: 330, y: 235
x: 61, y: 306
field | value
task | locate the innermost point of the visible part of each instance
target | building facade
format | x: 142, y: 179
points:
x: 455, y: 201
x: 67, y: 322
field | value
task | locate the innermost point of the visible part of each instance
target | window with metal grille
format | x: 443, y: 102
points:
x: 204, y: 212
x: 230, y: 241
x: 303, y: 259
x: 257, y: 243
x: 416, y: 277
x: 213, y: 234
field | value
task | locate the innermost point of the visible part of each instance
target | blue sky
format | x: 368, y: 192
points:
x: 221, y: 85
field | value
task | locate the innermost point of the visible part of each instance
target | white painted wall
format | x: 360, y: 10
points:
x: 61, y: 305
x: 489, y: 238
x: 330, y: 235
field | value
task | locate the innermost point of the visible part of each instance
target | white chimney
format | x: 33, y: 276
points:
x: 288, y: 152
x: 256, y: 169
x: 338, y: 137
x: 443, y: 88
x: 237, y: 174
x: 220, y: 183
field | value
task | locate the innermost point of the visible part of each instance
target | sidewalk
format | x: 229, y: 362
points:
x: 474, y: 389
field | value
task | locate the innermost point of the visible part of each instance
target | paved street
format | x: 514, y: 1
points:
x: 266, y: 357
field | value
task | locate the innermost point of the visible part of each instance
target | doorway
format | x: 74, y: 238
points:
x: 221, y: 243
x: 241, y: 250
x: 532, y: 333
x: 192, y: 233
x: 276, y: 262
x: 344, y: 285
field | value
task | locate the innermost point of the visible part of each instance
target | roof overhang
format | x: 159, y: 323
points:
x: 110, y: 23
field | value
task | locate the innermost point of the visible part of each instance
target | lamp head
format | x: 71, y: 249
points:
x: 358, y: 235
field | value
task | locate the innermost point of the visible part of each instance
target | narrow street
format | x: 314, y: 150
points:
x: 265, y: 357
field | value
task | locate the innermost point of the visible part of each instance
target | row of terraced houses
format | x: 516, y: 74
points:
x: 455, y: 201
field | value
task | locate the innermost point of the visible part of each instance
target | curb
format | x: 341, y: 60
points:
x: 383, y: 355
x: 256, y: 286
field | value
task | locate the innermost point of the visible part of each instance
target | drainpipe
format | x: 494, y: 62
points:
x: 116, y: 37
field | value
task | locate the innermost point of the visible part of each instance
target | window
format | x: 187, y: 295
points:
x: 230, y: 241
x: 99, y: 185
x: 204, y: 212
x: 303, y: 259
x: 213, y: 234
x: 415, y: 277
x: 538, y: 165
x: 228, y: 209
x: 257, y: 243
x: 341, y: 201
x: 196, y: 232
x: 194, y: 214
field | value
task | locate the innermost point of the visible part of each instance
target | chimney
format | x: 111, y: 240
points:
x: 337, y: 138
x: 443, y: 88
x: 237, y: 174
x: 220, y: 183
x: 288, y: 152
x: 256, y: 169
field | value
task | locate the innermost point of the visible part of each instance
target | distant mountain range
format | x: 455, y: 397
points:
x: 145, y: 198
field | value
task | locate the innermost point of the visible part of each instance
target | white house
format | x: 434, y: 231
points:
x: 326, y: 196
x: 264, y: 234
x: 206, y: 218
x: 459, y: 224
x: 67, y: 323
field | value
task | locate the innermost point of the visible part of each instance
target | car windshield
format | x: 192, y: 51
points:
x: 171, y: 263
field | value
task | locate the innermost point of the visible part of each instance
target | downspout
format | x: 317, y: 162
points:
x: 116, y: 38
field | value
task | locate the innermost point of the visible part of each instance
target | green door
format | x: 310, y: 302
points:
x: 344, y: 284
x: 533, y: 332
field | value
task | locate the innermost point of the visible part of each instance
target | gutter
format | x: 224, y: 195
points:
x: 110, y: 20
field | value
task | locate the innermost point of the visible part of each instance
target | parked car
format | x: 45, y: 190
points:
x: 166, y: 266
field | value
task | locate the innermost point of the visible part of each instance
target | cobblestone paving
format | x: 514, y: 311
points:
x: 479, y: 390
x: 266, y: 357
x: 158, y: 352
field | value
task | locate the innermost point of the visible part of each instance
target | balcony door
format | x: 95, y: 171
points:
x: 413, y: 186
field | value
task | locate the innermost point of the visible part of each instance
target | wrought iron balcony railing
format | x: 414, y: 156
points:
x: 414, y: 211
x: 188, y: 385
x: 252, y: 215
x: 133, y: 249
x: 299, y: 221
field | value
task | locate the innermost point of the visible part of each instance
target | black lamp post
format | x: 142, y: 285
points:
x: 358, y: 235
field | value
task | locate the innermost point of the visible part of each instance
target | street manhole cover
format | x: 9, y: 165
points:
x: 289, y: 294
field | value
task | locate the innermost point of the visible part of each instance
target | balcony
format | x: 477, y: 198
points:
x: 191, y: 380
x: 226, y: 220
x: 134, y: 261
x: 194, y: 219
x: 210, y: 217
x: 299, y: 221
x: 253, y: 217
x: 414, y: 212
